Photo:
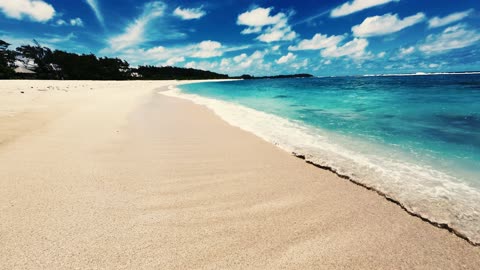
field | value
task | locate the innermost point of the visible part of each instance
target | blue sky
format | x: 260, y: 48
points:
x: 258, y: 37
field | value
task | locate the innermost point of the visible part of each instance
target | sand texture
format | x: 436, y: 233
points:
x: 114, y: 175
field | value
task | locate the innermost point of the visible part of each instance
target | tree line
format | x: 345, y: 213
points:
x: 59, y: 65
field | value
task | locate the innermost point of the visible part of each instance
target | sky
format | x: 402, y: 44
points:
x: 263, y: 37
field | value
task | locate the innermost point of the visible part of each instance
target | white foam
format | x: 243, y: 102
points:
x: 423, y: 74
x: 421, y: 189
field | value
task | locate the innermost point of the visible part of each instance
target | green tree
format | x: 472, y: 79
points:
x: 7, y: 61
x: 43, y: 58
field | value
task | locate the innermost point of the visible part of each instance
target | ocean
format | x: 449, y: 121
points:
x: 414, y: 139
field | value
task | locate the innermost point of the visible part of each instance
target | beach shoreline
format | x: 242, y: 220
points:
x: 121, y: 176
x: 454, y: 211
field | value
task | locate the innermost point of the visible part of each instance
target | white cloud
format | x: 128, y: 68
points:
x: 35, y: 10
x: 58, y: 38
x: 257, y: 57
x: 134, y: 33
x: 61, y: 22
x: 189, y: 13
x: 354, y: 49
x: 251, y: 30
x: 244, y: 63
x: 454, y: 17
x: 49, y: 40
x: 204, y: 65
x: 381, y: 54
x: 94, y: 6
x: 330, y: 46
x: 207, y: 49
x: 357, y: 5
x: 276, y: 34
x: 239, y: 58
x: 168, y: 55
x: 272, y: 27
x: 174, y: 60
x: 286, y: 58
x: 406, y: 51
x: 76, y: 22
x: 73, y: 22
x: 386, y: 24
x: 225, y: 63
x: 156, y: 51
x: 300, y: 65
x: 454, y: 37
x: 259, y: 17
x: 318, y: 41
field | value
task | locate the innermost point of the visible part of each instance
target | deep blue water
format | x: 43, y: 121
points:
x: 413, y: 137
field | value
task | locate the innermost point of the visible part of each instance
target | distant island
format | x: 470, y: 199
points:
x: 39, y: 62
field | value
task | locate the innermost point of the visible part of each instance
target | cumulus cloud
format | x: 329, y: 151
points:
x: 204, y: 65
x: 35, y: 10
x: 406, y: 51
x: 354, y: 49
x: 385, y: 24
x: 174, y: 60
x: 73, y: 22
x: 255, y: 63
x: 76, y: 22
x: 330, y: 46
x: 207, y: 49
x: 318, y: 41
x: 244, y: 63
x: 61, y: 22
x: 300, y: 64
x: 286, y: 58
x: 256, y: 57
x: 239, y: 58
x: 135, y: 31
x: 277, y: 34
x: 189, y: 13
x: 172, y: 55
x: 270, y: 27
x: 357, y: 5
x: 259, y: 17
x: 96, y: 10
x: 454, y: 37
x: 454, y: 17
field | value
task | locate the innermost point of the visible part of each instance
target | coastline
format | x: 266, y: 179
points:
x: 123, y: 176
x: 455, y: 211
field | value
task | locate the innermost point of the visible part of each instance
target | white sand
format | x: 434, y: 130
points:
x: 113, y: 175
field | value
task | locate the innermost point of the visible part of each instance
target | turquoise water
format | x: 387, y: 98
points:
x: 414, y: 138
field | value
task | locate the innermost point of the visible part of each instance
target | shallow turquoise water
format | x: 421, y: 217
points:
x: 415, y: 138
x: 437, y: 116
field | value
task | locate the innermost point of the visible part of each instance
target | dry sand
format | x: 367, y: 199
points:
x: 113, y: 175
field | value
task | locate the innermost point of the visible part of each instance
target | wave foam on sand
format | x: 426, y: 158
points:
x: 423, y: 191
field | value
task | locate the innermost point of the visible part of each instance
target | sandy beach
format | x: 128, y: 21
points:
x: 115, y: 175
